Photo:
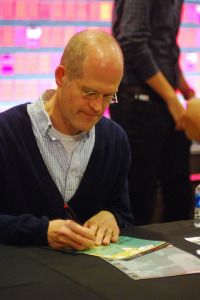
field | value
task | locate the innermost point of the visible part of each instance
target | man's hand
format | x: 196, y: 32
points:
x: 66, y: 234
x: 176, y: 109
x: 104, y: 226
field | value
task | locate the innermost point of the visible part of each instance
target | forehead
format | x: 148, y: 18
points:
x: 102, y: 69
x: 100, y: 81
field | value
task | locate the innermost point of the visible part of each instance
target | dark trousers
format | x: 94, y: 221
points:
x: 159, y: 154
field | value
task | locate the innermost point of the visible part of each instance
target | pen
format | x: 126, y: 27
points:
x: 72, y: 214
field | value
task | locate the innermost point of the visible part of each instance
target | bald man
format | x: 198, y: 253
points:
x: 61, y: 152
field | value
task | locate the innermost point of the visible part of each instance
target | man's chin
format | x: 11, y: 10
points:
x: 88, y: 126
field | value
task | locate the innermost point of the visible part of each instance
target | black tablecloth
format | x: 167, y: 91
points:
x: 38, y: 273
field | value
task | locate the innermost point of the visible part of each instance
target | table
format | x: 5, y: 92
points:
x: 43, y: 274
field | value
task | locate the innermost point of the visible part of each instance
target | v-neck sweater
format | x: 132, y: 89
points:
x: 29, y: 198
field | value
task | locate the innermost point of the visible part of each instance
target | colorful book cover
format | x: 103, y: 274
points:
x: 125, y: 248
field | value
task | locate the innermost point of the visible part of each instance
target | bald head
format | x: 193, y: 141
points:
x: 95, y: 44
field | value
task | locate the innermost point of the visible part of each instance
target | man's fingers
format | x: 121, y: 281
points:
x: 111, y: 236
x: 69, y: 235
x: 115, y: 235
x: 106, y: 235
x: 80, y: 230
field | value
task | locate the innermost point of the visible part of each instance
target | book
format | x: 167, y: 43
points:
x: 125, y: 248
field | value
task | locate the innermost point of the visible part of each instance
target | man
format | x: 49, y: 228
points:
x: 60, y: 150
x: 149, y: 109
x: 191, y: 119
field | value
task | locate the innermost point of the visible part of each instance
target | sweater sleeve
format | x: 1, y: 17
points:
x: 119, y: 203
x: 18, y: 225
x: 23, y: 230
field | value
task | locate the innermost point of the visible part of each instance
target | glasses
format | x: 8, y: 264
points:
x: 92, y: 95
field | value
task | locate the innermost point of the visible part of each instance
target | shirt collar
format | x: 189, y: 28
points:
x: 42, y: 118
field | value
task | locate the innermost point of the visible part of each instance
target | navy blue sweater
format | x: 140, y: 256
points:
x: 29, y: 197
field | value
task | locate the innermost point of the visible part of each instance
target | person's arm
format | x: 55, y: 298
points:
x: 23, y: 230
x: 135, y: 35
x: 191, y: 119
x: 160, y: 85
x: 26, y: 229
x: 29, y: 230
x: 166, y: 91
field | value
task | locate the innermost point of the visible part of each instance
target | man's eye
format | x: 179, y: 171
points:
x: 92, y: 93
x: 89, y: 92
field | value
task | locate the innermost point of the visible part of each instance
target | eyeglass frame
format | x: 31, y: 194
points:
x: 96, y: 94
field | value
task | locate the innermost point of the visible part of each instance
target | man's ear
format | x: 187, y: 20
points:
x: 60, y: 76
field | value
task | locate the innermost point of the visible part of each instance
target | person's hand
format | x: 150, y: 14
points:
x: 176, y: 109
x: 191, y: 119
x: 67, y: 234
x: 104, y: 226
x: 189, y: 95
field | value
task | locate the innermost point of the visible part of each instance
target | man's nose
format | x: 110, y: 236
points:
x: 97, y: 104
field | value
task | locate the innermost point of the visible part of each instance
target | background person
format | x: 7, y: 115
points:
x: 149, y: 109
x: 61, y: 149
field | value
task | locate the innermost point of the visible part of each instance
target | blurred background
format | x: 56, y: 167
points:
x: 33, y: 34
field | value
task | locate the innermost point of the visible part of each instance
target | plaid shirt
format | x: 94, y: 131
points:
x: 146, y: 31
x: 67, y: 177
